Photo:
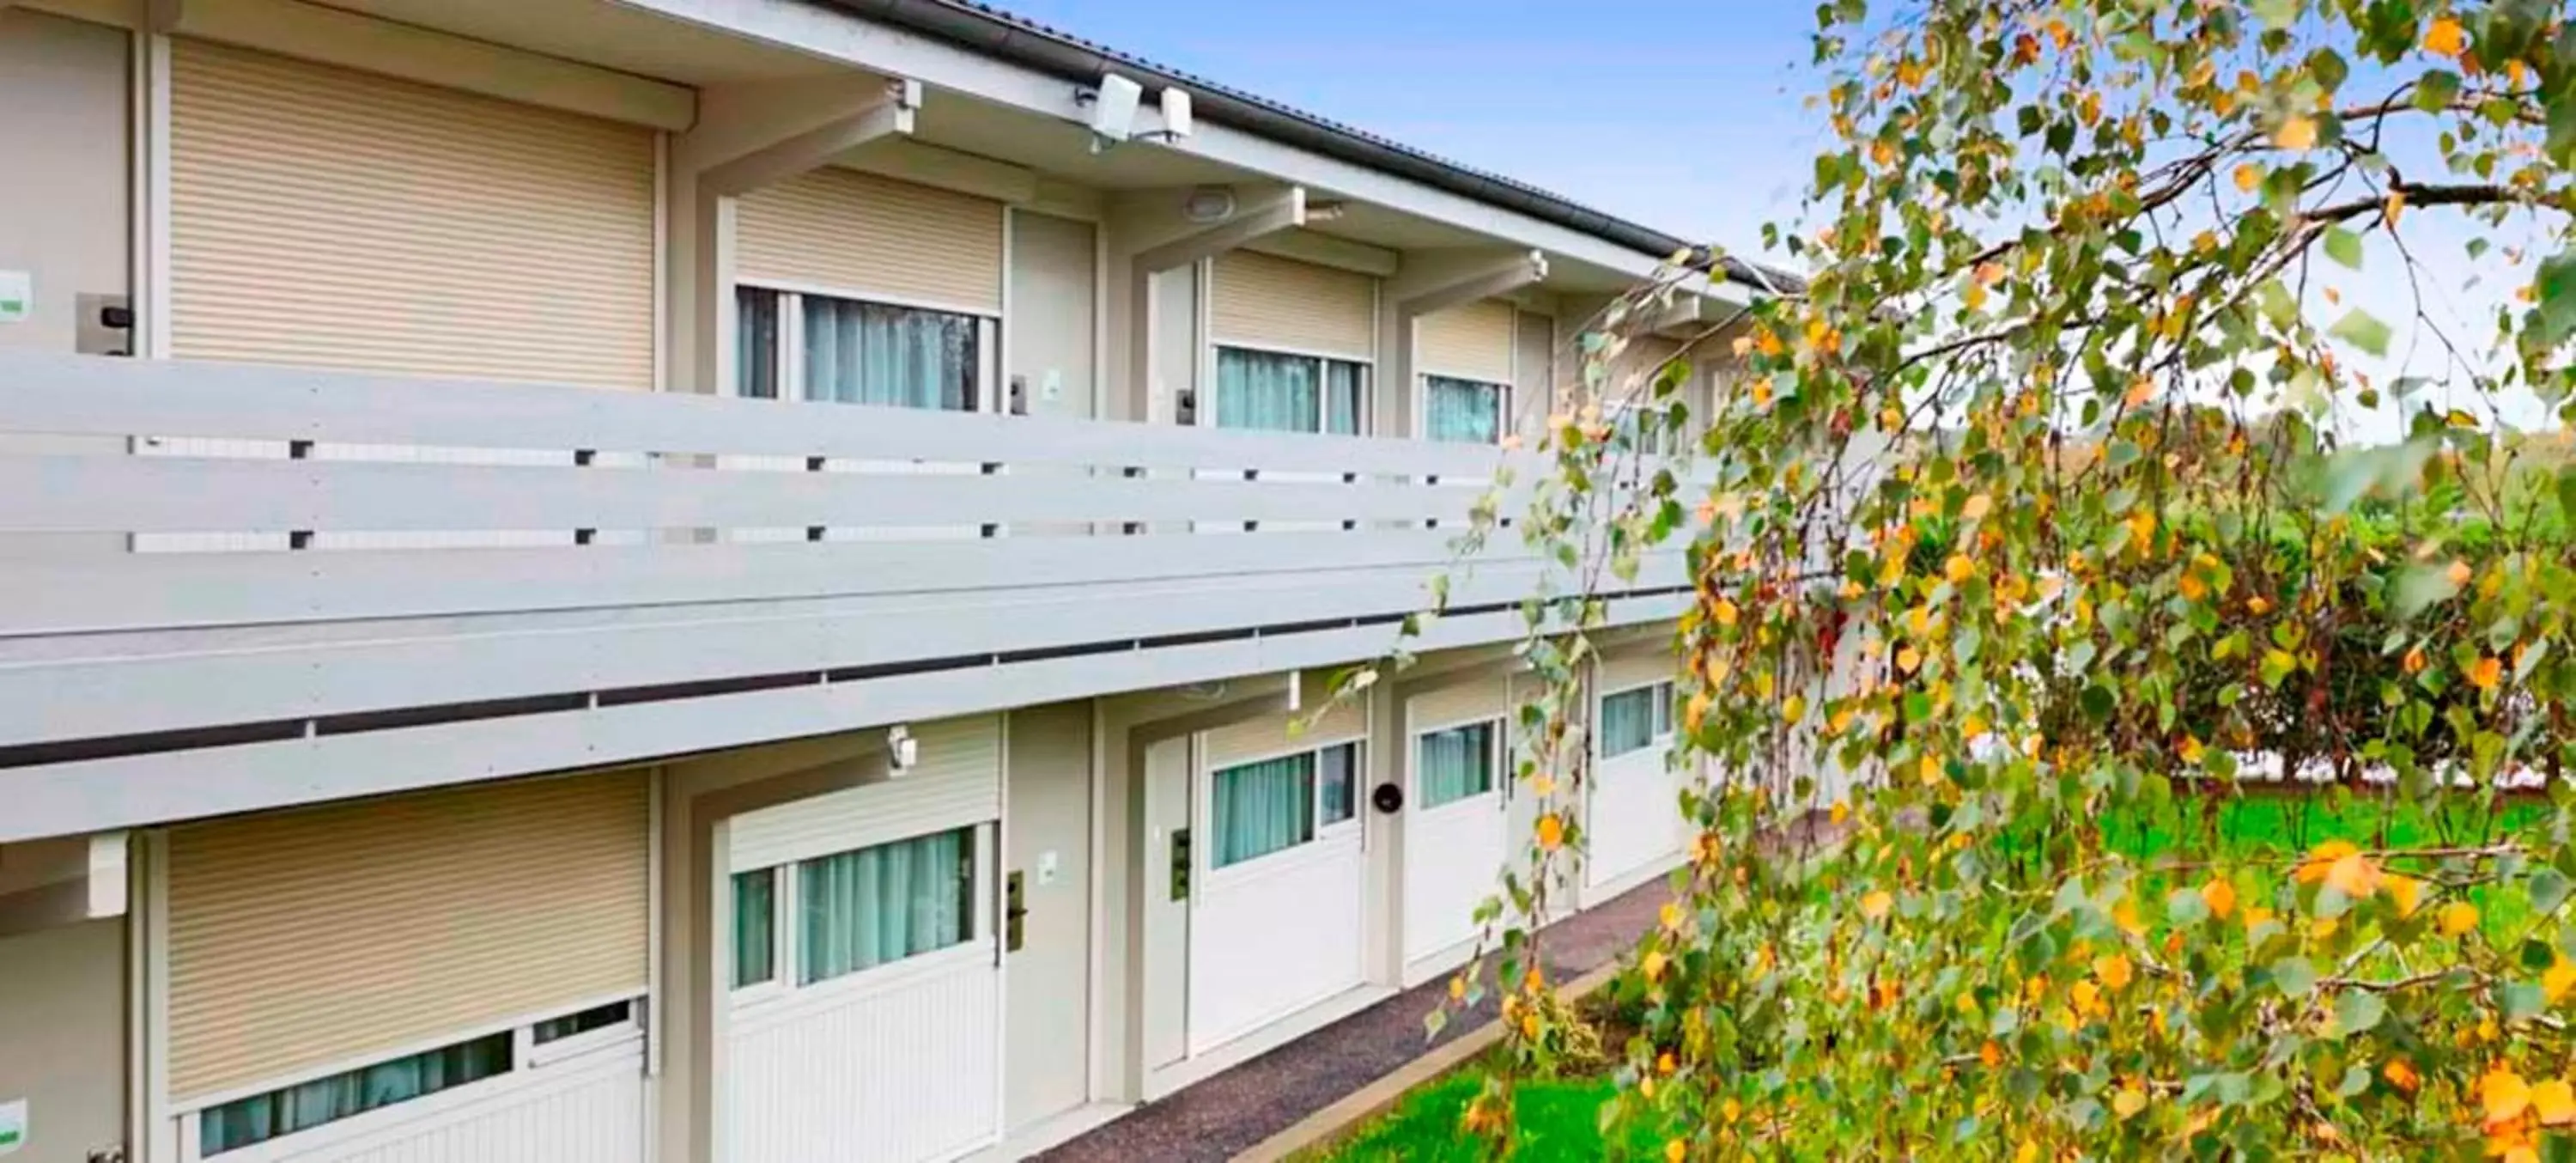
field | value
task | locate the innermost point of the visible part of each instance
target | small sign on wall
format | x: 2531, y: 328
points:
x: 17, y: 296
x: 13, y: 1125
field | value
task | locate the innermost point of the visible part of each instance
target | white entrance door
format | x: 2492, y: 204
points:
x: 1275, y: 921
x: 1636, y: 813
x: 1455, y: 839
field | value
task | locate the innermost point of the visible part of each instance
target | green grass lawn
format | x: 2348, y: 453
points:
x: 2294, y: 824
x: 1560, y: 1122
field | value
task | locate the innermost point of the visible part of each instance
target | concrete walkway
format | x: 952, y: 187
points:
x: 1226, y: 1114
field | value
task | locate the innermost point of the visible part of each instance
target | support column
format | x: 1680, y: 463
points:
x: 1433, y: 281
x: 1149, y: 240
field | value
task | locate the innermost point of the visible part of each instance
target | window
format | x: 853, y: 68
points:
x: 1275, y: 804
x: 755, y: 927
x: 847, y: 351
x: 595, y: 1018
x: 1649, y: 430
x: 1631, y: 720
x: 1278, y: 392
x: 1463, y: 411
x: 880, y: 904
x: 1457, y: 763
x: 304, y: 1106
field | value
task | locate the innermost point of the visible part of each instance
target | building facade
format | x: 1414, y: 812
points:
x: 739, y: 579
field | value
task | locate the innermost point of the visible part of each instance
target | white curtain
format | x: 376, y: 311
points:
x: 875, y: 905
x: 867, y: 353
x: 1462, y: 411
x: 1457, y: 763
x: 1261, y: 808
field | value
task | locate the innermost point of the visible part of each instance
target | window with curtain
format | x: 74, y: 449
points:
x: 861, y: 909
x: 755, y: 927
x: 1648, y: 430
x: 1278, y: 392
x: 756, y: 351
x: 1463, y: 411
x: 304, y: 1106
x: 1261, y: 808
x: 1631, y: 720
x: 1456, y: 763
x: 870, y: 353
x: 1338, y: 793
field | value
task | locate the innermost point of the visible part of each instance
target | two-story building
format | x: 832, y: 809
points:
x: 729, y: 579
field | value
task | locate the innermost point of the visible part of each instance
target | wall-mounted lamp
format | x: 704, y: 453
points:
x: 1208, y: 204
x: 1113, y: 109
x: 902, y: 750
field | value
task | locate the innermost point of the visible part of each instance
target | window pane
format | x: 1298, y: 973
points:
x: 595, y: 1018
x: 1266, y: 390
x: 1261, y: 808
x: 1663, y: 708
x: 869, y: 353
x: 1628, y: 720
x: 1340, y: 782
x: 1345, y: 394
x: 1463, y: 411
x: 865, y: 908
x: 1648, y: 430
x: 245, y: 1121
x: 755, y: 345
x: 755, y: 927
x: 1456, y: 763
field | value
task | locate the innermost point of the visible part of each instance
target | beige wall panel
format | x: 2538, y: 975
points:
x: 330, y: 218
x: 1482, y: 698
x: 868, y: 236
x: 1266, y: 301
x: 1268, y: 735
x: 63, y: 86
x: 1473, y: 341
x: 307, y: 938
x: 62, y: 1019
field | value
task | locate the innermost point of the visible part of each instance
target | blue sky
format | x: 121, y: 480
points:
x: 1683, y: 115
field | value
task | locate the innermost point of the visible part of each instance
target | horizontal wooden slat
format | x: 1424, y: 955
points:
x: 51, y: 393
x: 144, y: 683
x: 133, y: 791
x: 87, y: 494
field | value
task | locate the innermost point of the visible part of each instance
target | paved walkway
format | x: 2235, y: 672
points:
x: 1220, y: 1116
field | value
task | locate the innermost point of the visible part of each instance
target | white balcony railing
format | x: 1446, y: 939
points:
x: 313, y: 547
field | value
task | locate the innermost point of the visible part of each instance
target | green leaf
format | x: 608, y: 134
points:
x: 2344, y: 247
x: 2548, y: 890
x: 2294, y: 976
x: 2357, y: 1012
x: 2521, y: 1000
x: 2363, y: 330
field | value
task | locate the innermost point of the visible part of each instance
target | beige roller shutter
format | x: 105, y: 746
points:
x: 1638, y: 364
x: 1473, y: 342
x: 1266, y: 301
x: 1450, y: 706
x: 330, y: 218
x: 870, y: 236
x: 306, y: 938
x: 1268, y: 735
x: 956, y: 781
x: 1621, y: 672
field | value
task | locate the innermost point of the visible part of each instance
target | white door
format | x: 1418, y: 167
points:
x: 1636, y: 811
x: 1455, y: 837
x: 1275, y: 918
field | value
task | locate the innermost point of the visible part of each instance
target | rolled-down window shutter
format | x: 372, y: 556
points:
x: 329, y: 218
x: 1268, y: 736
x: 1449, y: 706
x: 315, y: 938
x: 870, y: 237
x: 1473, y: 341
x: 1265, y: 301
x: 957, y: 781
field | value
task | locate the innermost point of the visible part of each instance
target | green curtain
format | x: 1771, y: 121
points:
x: 259, y: 1118
x: 1345, y: 390
x: 755, y: 349
x: 755, y: 927
x: 865, y: 908
x: 1628, y: 721
x: 1266, y: 390
x: 868, y: 353
x: 1457, y: 763
x: 1339, y: 793
x: 1463, y: 411
x: 1261, y: 808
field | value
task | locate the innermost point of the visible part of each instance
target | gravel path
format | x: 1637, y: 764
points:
x: 1220, y: 1116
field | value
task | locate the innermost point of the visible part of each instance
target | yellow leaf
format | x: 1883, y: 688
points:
x: 1674, y: 1150
x: 2405, y: 892
x: 2486, y: 674
x: 2087, y: 997
x: 2444, y: 38
x: 1726, y: 612
x: 1876, y: 904
x: 2125, y: 915
x: 1671, y: 915
x: 2220, y: 896
x: 2555, y: 1102
x: 1959, y: 568
x: 2459, y: 918
x: 1653, y: 965
x: 2560, y: 977
x: 1794, y: 709
x: 2129, y: 1101
x: 1457, y: 988
x: 2356, y: 875
x: 2248, y: 176
x: 2114, y: 970
x: 2401, y: 1074
x: 1976, y: 506
x: 2299, y: 132
x: 2396, y: 203
x: 2502, y: 1094
x: 1841, y: 811
x: 2322, y: 858
x: 1551, y: 832
x: 1529, y: 1026
x: 2258, y: 605
x: 1908, y: 658
x: 1882, y: 153
x: 1664, y: 1063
